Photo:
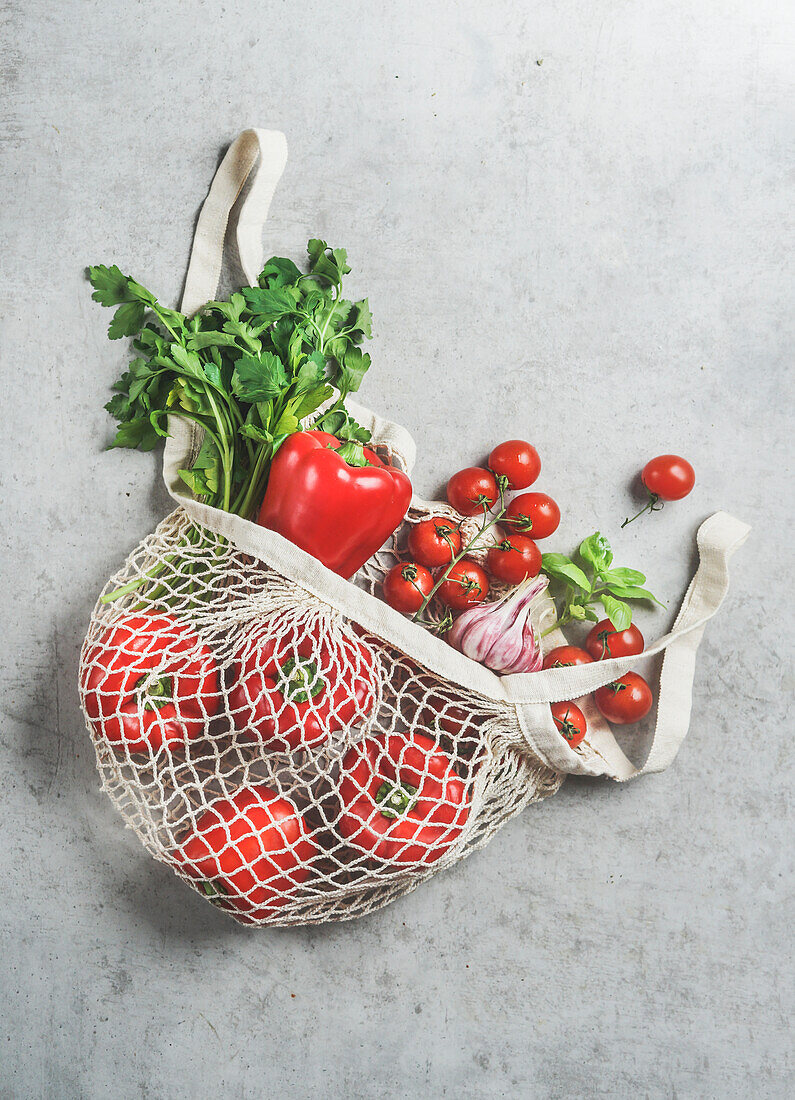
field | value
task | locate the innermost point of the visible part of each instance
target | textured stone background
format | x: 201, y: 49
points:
x: 590, y: 252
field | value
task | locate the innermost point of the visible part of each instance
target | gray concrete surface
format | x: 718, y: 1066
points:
x: 572, y: 223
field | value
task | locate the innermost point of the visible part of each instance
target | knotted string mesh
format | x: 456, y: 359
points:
x: 289, y: 765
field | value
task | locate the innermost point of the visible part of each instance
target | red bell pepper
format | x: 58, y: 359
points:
x: 150, y: 682
x: 339, y: 502
x: 249, y: 852
x: 402, y: 800
x: 294, y: 686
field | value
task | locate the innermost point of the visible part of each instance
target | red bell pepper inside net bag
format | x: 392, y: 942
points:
x: 289, y: 745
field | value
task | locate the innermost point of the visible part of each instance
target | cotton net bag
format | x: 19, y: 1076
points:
x: 292, y: 747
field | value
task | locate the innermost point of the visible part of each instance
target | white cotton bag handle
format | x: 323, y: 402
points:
x: 718, y: 538
x: 269, y: 147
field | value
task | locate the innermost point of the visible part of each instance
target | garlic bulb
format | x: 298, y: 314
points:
x: 500, y: 635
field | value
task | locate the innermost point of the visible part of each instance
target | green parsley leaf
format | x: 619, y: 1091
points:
x: 110, y: 285
x: 136, y: 433
x: 352, y: 370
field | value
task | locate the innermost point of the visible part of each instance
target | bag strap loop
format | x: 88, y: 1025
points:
x: 204, y: 269
x: 717, y: 539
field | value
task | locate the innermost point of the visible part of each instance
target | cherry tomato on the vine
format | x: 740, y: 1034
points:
x: 470, y: 489
x: 434, y: 542
x: 668, y: 477
x: 534, y: 514
x: 517, y: 462
x: 564, y: 655
x: 514, y: 558
x: 466, y: 584
x: 605, y: 641
x: 626, y: 700
x: 406, y: 585
x: 570, y: 720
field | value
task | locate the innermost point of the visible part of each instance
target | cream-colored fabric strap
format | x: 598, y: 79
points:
x: 718, y: 538
x: 269, y: 147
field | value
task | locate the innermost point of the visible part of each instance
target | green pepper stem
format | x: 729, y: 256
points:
x: 395, y: 799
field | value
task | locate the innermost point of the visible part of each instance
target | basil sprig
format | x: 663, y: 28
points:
x: 575, y: 588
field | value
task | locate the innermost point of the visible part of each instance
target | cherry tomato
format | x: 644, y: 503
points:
x: 626, y: 700
x: 668, y: 477
x: 534, y: 514
x: 570, y: 720
x: 516, y: 461
x: 435, y: 542
x: 564, y: 655
x: 605, y: 641
x: 467, y: 584
x: 513, y: 559
x: 406, y: 585
x: 470, y: 489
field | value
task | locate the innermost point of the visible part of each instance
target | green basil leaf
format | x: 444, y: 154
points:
x: 596, y: 551
x: 619, y: 614
x: 633, y: 592
x: 624, y: 576
x: 558, y: 565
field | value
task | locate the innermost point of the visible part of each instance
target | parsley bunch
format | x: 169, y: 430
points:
x: 247, y: 370
x: 575, y: 587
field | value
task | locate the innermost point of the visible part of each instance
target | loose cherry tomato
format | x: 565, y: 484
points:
x: 605, y: 641
x: 513, y: 559
x: 516, y: 461
x: 406, y: 585
x: 668, y: 477
x: 435, y: 542
x: 534, y: 514
x: 626, y: 700
x: 469, y: 490
x: 467, y: 584
x: 570, y: 720
x: 564, y: 655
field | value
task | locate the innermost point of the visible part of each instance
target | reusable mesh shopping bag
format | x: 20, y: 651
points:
x: 292, y: 747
